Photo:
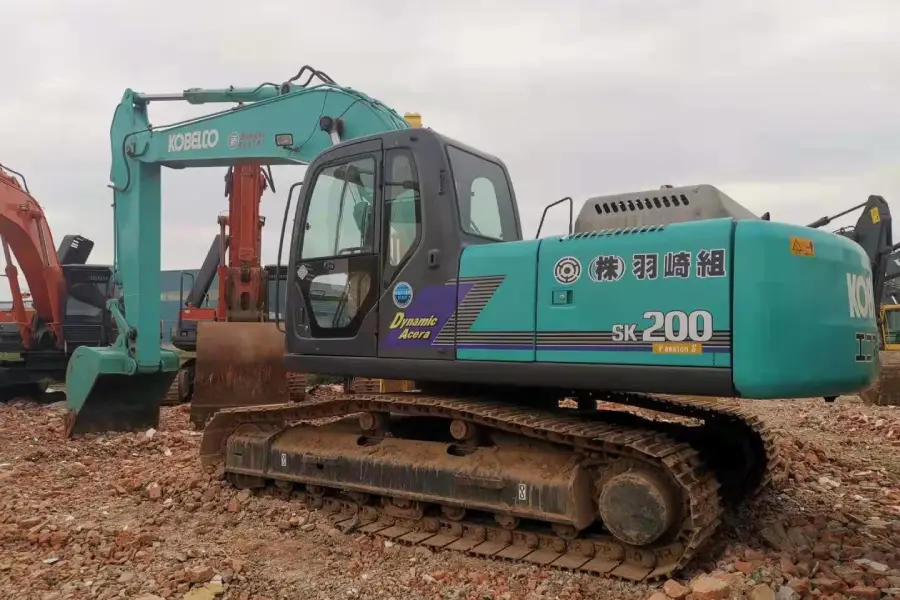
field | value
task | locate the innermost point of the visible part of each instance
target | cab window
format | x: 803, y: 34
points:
x: 483, y: 195
x: 339, y: 220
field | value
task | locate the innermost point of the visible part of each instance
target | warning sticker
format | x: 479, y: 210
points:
x: 876, y: 216
x: 802, y: 246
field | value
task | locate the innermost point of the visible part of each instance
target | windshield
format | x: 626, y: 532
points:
x: 87, y: 299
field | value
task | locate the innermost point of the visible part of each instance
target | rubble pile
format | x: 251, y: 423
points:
x: 135, y: 516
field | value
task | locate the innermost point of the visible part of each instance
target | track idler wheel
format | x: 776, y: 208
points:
x: 638, y: 504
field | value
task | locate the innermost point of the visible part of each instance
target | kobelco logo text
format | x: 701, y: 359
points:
x: 861, y: 295
x: 193, y: 140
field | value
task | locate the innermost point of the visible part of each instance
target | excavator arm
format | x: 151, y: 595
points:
x: 26, y: 235
x: 120, y: 386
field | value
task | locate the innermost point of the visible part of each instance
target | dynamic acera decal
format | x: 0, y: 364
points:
x: 302, y: 272
x: 403, y: 295
x: 414, y: 328
x: 567, y: 270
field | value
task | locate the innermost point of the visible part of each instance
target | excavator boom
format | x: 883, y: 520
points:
x: 287, y: 124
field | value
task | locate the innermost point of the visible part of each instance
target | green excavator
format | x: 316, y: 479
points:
x: 407, y: 260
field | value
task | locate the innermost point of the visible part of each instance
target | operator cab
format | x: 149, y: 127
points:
x: 87, y: 321
x: 378, y: 238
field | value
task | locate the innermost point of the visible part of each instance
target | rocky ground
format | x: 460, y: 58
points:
x: 134, y: 516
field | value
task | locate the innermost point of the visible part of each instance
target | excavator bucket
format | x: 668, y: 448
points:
x: 105, y: 394
x: 237, y: 364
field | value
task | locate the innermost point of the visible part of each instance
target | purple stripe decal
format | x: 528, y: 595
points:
x: 419, y: 323
x: 609, y: 348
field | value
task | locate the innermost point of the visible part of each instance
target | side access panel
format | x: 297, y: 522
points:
x: 654, y: 296
x: 495, y: 318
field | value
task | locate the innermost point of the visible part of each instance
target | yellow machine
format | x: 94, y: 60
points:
x: 887, y: 388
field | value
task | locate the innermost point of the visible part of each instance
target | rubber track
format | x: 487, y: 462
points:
x: 173, y: 397
x: 713, y: 411
x: 598, y: 554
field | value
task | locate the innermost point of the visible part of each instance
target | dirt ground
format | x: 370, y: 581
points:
x: 134, y: 516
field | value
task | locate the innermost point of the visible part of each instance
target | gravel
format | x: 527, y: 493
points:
x: 135, y: 516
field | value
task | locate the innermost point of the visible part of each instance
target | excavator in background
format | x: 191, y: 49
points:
x: 68, y: 297
x: 195, y: 307
x: 873, y: 231
x: 496, y: 331
x: 887, y: 388
x: 239, y: 324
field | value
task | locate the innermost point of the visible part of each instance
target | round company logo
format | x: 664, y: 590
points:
x: 403, y: 295
x: 233, y: 140
x: 302, y: 271
x: 567, y: 270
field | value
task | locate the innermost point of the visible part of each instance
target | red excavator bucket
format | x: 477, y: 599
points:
x: 238, y: 364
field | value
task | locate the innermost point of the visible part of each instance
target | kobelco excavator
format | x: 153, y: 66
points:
x: 655, y: 295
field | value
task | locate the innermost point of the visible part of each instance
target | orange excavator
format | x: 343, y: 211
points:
x: 68, y: 297
x: 237, y: 347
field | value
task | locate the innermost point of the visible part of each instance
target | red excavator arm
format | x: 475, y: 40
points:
x: 24, y: 230
x: 241, y: 285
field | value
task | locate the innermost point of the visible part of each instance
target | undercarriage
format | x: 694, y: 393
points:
x: 604, y: 491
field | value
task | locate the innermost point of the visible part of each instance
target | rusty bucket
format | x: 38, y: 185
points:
x: 237, y: 364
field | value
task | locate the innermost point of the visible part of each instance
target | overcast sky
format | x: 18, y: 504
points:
x: 789, y: 106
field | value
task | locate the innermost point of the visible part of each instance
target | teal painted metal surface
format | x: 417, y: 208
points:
x: 511, y: 308
x: 632, y: 287
x: 712, y: 293
x: 275, y: 129
x: 607, y: 297
x: 250, y: 132
x: 795, y: 317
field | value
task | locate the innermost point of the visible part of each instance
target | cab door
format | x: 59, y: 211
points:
x: 333, y: 289
x: 418, y: 299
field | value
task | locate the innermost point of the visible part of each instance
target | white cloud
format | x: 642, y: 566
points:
x: 790, y: 107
